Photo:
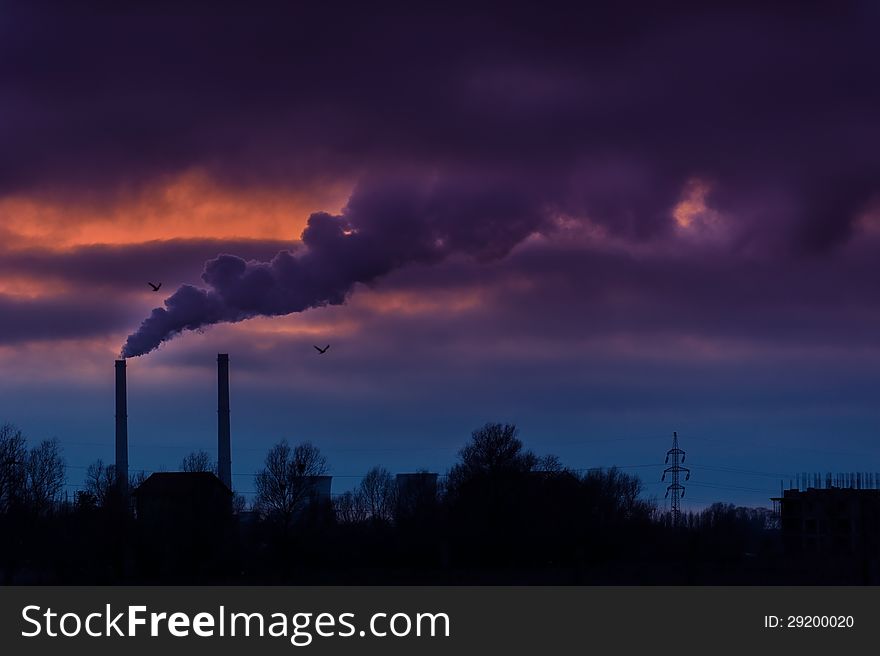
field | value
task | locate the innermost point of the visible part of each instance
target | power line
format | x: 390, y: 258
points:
x: 735, y: 487
x: 787, y: 447
x: 746, y: 472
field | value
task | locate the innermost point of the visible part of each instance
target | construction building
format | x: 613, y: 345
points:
x: 830, y: 520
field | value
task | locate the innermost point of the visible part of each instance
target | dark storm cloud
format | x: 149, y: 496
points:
x: 546, y: 111
x: 713, y: 297
x: 556, y: 300
x: 127, y: 267
x: 52, y: 318
x: 601, y: 111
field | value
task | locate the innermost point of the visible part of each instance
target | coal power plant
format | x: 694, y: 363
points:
x: 179, y: 523
x: 180, y: 501
x: 224, y: 446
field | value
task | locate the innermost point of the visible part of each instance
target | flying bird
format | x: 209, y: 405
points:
x: 322, y: 350
x: 155, y: 287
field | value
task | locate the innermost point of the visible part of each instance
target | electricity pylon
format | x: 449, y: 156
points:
x: 675, y: 488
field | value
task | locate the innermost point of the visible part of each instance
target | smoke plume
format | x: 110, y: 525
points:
x: 383, y: 227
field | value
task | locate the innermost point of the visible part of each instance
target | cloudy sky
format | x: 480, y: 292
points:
x: 602, y: 225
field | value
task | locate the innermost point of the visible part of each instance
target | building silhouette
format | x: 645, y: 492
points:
x: 183, y: 525
x: 416, y: 493
x: 316, y: 490
x: 830, y: 521
x: 180, y: 498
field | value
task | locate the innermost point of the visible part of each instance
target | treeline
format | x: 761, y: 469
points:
x: 31, y: 479
x: 501, y: 514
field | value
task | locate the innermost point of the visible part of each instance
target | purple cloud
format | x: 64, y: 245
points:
x: 604, y: 112
x: 52, y: 318
x: 127, y: 267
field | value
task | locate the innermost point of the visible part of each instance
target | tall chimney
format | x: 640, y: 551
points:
x: 121, y: 428
x: 224, y: 450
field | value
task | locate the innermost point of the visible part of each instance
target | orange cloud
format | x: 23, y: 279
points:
x: 692, y: 204
x: 189, y: 206
x: 30, y: 287
x: 412, y: 303
x: 302, y: 324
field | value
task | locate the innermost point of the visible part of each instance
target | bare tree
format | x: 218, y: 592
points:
x: 45, y: 475
x: 239, y: 503
x: 549, y: 464
x: 135, y: 478
x: 616, y: 494
x: 494, y: 449
x: 350, y: 507
x: 100, y: 481
x: 284, y: 485
x: 13, y: 467
x: 101, y: 486
x: 378, y: 492
x: 198, y: 461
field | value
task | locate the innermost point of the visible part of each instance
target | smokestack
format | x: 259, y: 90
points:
x: 224, y: 450
x: 121, y: 428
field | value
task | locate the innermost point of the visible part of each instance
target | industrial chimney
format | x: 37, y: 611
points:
x: 224, y: 450
x: 121, y: 428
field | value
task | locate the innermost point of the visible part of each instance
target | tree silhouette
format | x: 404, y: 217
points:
x: 494, y: 449
x: 100, y: 482
x: 350, y: 507
x: 284, y: 484
x: 45, y: 476
x: 375, y: 498
x: 135, y: 478
x: 239, y: 503
x: 13, y: 468
x: 198, y: 461
x: 378, y: 492
x: 503, y: 514
x: 616, y: 494
x: 498, y: 498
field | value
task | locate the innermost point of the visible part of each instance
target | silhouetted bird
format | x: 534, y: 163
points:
x: 155, y: 287
x: 322, y: 350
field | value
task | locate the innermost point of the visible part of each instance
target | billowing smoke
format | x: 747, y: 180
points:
x: 384, y: 226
